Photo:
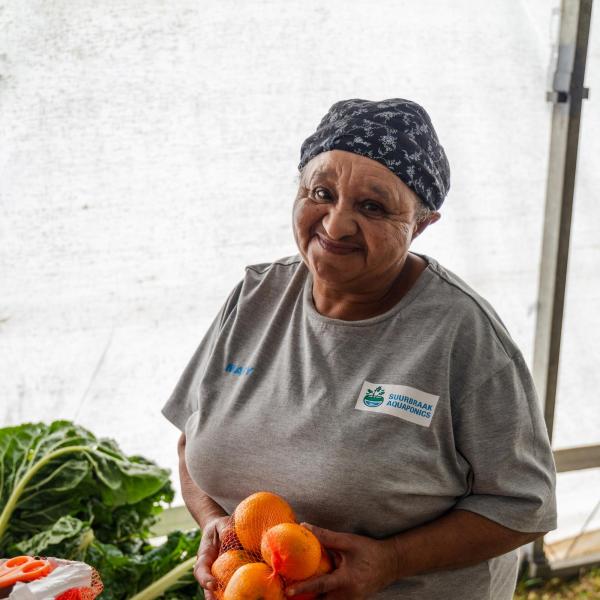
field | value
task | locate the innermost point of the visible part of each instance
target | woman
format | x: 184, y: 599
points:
x: 369, y: 386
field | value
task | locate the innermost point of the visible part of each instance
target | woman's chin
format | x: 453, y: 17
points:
x: 334, y: 271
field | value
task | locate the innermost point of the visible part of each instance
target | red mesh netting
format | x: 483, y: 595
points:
x: 263, y: 532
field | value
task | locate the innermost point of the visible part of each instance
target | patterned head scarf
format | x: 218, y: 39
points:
x: 396, y: 133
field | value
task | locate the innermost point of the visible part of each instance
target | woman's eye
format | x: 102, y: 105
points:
x: 321, y: 194
x: 373, y: 207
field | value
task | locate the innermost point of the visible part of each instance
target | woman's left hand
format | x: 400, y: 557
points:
x: 363, y: 567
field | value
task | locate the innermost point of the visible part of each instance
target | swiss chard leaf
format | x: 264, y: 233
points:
x: 68, y: 538
x: 126, y: 575
x: 65, y: 493
x: 51, y: 471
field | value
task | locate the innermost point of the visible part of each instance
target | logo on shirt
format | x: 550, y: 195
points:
x: 374, y: 397
x: 234, y: 369
x: 400, y: 401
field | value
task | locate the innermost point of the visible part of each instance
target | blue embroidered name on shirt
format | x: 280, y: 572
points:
x: 238, y: 369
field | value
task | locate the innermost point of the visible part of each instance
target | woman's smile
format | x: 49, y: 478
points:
x: 336, y: 247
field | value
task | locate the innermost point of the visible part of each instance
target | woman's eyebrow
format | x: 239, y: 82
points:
x: 321, y: 174
x: 380, y: 191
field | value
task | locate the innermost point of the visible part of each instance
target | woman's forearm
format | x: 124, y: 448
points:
x: 458, y: 539
x: 201, y: 506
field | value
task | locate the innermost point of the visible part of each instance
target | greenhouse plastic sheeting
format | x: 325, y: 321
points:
x: 149, y: 153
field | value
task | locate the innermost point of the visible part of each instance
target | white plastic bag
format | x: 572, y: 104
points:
x: 65, y: 576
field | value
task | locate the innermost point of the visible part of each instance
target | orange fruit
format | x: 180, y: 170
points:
x: 254, y: 581
x: 325, y: 566
x: 257, y: 513
x: 227, y: 564
x: 229, y: 540
x: 292, y: 550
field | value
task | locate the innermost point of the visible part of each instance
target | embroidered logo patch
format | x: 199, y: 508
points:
x: 400, y: 401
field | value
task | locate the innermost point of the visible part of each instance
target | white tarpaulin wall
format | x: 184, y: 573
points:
x: 149, y: 153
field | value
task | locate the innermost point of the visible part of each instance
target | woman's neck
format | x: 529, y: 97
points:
x: 337, y: 303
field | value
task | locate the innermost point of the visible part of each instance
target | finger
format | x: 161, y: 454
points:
x: 202, y: 570
x: 335, y: 557
x: 330, y: 539
x: 209, y: 548
x: 207, y: 553
x: 316, y: 585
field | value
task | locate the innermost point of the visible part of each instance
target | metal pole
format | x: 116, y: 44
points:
x: 567, y: 94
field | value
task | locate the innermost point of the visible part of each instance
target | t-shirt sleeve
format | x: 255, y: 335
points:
x: 184, y: 399
x: 500, y: 431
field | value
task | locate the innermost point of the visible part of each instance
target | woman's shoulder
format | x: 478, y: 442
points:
x: 469, y: 309
x: 282, y: 267
x: 264, y: 282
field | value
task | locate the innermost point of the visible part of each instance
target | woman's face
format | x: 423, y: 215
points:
x: 354, y: 220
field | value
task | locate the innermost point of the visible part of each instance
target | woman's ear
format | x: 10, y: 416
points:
x: 420, y: 227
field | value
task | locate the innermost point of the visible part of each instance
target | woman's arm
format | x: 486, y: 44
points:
x: 364, y: 566
x: 212, y: 520
x: 458, y: 539
x: 201, y: 506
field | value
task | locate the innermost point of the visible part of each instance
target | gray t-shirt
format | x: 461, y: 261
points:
x: 372, y: 426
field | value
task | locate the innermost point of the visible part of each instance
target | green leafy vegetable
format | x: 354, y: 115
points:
x: 64, y: 492
x: 125, y: 575
x: 68, y: 537
x: 50, y: 471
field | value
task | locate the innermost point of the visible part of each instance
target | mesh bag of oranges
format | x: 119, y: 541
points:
x: 264, y: 550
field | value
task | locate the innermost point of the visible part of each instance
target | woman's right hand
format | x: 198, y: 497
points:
x: 210, y: 544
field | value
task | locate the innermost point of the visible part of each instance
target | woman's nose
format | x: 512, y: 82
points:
x: 339, y: 222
